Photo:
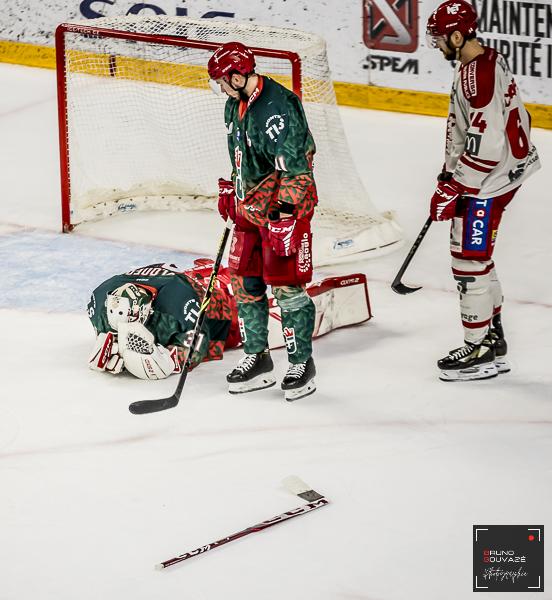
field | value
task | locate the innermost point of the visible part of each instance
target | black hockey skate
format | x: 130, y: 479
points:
x: 253, y: 372
x: 469, y: 362
x: 299, y: 380
x: 496, y: 335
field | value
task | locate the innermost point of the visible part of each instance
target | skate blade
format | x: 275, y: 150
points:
x: 487, y: 371
x: 296, y: 394
x: 502, y: 365
x: 262, y: 381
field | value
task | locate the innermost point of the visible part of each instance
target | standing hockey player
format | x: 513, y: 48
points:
x: 144, y: 320
x: 271, y: 199
x: 488, y: 155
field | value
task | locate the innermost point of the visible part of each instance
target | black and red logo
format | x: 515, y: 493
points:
x: 391, y: 24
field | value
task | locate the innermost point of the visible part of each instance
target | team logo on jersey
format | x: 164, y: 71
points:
x: 274, y: 126
x: 473, y: 144
x: 391, y: 25
x: 191, y: 310
x: 289, y: 338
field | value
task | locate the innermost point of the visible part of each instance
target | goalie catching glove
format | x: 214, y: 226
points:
x: 142, y: 356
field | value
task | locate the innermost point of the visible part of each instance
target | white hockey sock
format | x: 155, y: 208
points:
x: 476, y: 297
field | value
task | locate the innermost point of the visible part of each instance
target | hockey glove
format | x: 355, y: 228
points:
x: 227, y: 199
x: 105, y: 356
x: 142, y: 356
x: 284, y: 236
x: 443, y: 201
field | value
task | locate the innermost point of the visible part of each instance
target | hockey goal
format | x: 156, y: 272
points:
x: 141, y: 129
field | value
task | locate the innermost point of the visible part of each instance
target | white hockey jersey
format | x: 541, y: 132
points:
x: 488, y: 146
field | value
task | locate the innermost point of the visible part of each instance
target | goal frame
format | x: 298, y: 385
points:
x: 89, y: 30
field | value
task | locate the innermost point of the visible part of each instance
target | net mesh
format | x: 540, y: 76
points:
x: 144, y: 129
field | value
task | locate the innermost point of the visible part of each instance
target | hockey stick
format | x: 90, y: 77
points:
x: 295, y: 486
x: 141, y: 407
x: 397, y: 286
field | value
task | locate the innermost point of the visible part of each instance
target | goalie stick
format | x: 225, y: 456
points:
x: 397, y: 286
x: 141, y: 407
x: 295, y: 486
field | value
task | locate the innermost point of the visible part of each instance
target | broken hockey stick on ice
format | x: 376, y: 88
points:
x: 397, y: 286
x: 295, y: 486
x: 141, y: 407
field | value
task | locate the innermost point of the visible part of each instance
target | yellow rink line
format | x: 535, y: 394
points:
x: 348, y: 94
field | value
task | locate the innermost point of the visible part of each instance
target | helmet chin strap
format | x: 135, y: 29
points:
x: 241, y: 89
x: 455, y: 51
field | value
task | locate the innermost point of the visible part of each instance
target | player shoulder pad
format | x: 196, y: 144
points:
x: 478, y: 79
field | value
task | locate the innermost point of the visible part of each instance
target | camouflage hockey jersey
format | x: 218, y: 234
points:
x: 176, y: 302
x: 271, y: 150
x: 488, y: 145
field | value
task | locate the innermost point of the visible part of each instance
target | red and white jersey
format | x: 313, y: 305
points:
x: 488, y: 146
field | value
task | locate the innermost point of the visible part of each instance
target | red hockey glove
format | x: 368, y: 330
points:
x: 285, y: 234
x: 443, y: 202
x: 227, y: 199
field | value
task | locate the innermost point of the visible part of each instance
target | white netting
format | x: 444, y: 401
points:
x: 144, y: 130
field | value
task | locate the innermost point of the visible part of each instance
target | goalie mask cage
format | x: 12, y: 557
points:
x: 140, y: 127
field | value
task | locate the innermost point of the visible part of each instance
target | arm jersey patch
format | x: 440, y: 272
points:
x: 478, y: 79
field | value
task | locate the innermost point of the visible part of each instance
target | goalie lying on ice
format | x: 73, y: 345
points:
x: 144, y: 319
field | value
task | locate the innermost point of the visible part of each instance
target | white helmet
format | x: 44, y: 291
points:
x: 128, y: 303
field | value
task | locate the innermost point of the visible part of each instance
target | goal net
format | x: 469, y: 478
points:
x: 140, y: 127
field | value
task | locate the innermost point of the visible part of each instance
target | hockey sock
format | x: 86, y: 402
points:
x: 298, y: 315
x: 253, y: 321
x: 476, y: 297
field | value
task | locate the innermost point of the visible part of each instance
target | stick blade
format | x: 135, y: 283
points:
x: 402, y: 289
x: 144, y: 407
x: 297, y: 486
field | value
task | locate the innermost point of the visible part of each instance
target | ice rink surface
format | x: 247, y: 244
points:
x: 92, y: 496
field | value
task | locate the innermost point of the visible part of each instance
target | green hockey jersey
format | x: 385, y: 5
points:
x: 269, y: 135
x: 176, y: 303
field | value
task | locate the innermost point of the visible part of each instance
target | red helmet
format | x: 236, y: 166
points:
x: 230, y: 57
x: 452, y: 15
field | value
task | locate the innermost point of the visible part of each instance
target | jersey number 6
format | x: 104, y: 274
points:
x: 516, y: 135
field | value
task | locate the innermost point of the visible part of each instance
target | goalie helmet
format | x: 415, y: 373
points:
x: 128, y: 303
x: 450, y: 16
x: 228, y: 58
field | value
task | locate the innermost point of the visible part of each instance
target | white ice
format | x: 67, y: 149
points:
x: 92, y: 496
